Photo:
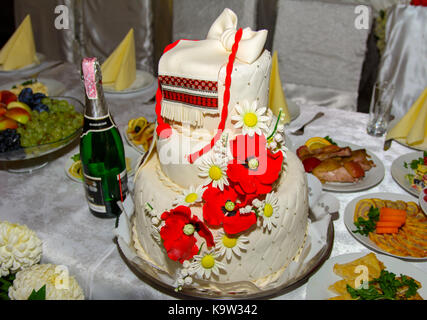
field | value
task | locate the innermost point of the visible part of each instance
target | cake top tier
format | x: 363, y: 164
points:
x: 191, y: 73
x: 203, y: 59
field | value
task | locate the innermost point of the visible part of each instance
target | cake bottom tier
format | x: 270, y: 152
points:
x: 267, y: 253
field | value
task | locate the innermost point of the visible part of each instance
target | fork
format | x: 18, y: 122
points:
x: 300, y: 131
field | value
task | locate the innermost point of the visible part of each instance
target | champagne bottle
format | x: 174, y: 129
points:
x: 101, y: 148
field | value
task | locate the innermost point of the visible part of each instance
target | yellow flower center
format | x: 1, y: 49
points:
x: 208, y: 261
x: 189, y: 229
x: 191, y: 197
x: 253, y: 163
x: 215, y: 173
x: 229, y: 205
x: 229, y: 242
x: 250, y: 119
x: 268, y: 210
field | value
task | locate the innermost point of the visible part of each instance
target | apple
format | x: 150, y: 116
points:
x: 7, y: 96
x: 18, y: 114
x: 6, y: 123
x: 18, y: 104
x: 2, y: 111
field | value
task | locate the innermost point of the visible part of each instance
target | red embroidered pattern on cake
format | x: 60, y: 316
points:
x: 199, y: 101
x: 188, y: 83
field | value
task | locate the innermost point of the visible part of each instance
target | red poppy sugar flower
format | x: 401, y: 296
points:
x: 254, y: 167
x: 223, y: 208
x: 178, y: 233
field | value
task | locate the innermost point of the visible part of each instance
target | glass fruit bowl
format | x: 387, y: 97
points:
x: 35, y: 156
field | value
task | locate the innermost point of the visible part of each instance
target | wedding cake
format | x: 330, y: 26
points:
x: 221, y: 205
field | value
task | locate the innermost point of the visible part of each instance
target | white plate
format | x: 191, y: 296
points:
x: 145, y: 83
x: 129, y: 153
x: 349, y: 221
x: 317, y: 286
x: 137, y: 147
x: 398, y: 171
x: 27, y: 68
x: 423, y: 203
x: 54, y: 87
x: 372, y: 177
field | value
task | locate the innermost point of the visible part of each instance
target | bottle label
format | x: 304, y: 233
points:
x: 94, y: 195
x: 94, y: 192
x: 97, y: 124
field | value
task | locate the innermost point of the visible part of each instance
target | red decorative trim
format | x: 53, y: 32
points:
x: 163, y: 129
x: 191, y: 84
x: 199, y: 101
x: 224, y: 114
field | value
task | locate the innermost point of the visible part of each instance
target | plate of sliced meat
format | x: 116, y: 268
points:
x: 342, y: 166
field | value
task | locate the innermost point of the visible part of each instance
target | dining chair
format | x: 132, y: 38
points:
x: 95, y: 28
x: 404, y: 61
x: 321, y: 49
x: 192, y: 19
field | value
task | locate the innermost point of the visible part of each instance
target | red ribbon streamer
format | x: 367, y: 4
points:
x: 224, y: 114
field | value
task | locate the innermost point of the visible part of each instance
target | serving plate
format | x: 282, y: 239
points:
x: 349, y: 221
x: 145, y: 84
x: 422, y: 200
x: 398, y: 171
x: 23, y: 160
x: 33, y: 67
x: 54, y: 87
x: 317, y: 286
x: 129, y: 153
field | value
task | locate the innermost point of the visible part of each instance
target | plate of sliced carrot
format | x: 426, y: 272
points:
x: 389, y: 223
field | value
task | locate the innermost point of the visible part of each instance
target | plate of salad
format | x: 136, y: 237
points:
x: 389, y: 223
x: 410, y: 171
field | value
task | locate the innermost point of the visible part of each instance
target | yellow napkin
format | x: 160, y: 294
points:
x: 20, y: 50
x: 412, y: 128
x: 119, y: 70
x: 276, y: 98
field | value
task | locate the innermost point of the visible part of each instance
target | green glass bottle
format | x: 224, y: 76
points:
x: 101, y: 148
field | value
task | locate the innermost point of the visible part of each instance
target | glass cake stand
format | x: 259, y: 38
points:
x: 148, y: 275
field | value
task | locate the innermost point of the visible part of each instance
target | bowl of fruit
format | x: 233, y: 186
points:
x: 33, y: 125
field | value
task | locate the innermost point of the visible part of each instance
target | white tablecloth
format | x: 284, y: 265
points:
x: 54, y: 206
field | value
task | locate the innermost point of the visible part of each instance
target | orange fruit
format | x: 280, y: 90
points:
x: 316, y: 143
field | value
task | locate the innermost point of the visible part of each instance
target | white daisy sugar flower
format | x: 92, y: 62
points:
x: 190, y: 196
x: 59, y: 284
x: 214, y: 171
x: 206, y: 264
x: 229, y: 245
x: 270, y: 211
x: 251, y: 118
x: 19, y: 248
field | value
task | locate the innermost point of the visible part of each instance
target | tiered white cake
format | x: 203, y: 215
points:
x: 221, y: 204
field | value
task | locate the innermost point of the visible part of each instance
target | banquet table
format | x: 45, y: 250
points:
x: 54, y: 206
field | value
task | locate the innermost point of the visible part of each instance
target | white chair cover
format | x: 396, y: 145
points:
x: 95, y: 28
x: 404, y: 62
x: 321, y: 52
x: 193, y: 18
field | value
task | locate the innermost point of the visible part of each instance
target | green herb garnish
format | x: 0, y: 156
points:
x: 30, y: 81
x: 414, y: 163
x: 76, y: 157
x: 385, y: 287
x: 365, y: 226
x: 5, y: 283
x: 330, y: 140
x: 38, y: 295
